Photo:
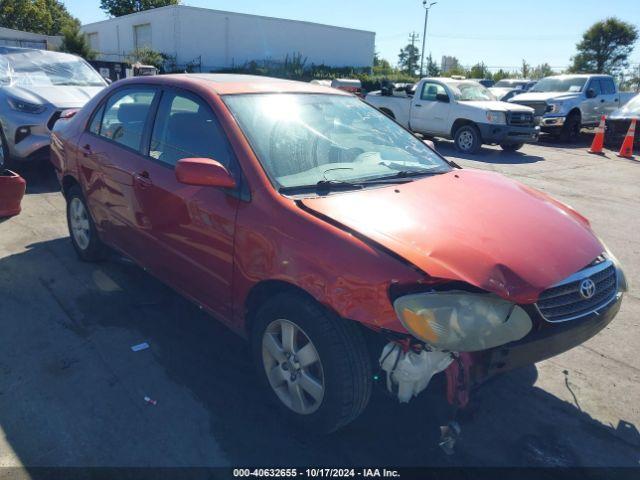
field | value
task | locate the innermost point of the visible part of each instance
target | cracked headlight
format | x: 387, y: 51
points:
x: 25, y: 107
x: 497, y: 118
x: 461, y: 321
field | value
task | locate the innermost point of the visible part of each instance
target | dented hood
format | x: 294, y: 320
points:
x: 473, y: 226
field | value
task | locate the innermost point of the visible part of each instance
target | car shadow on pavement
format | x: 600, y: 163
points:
x: 103, y: 307
x: 487, y: 155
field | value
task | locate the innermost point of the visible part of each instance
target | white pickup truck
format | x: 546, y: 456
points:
x: 462, y: 110
x: 564, y: 104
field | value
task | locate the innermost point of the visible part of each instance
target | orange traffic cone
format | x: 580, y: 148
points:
x: 626, y: 150
x: 598, y: 140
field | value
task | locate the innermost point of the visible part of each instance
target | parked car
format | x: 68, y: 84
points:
x: 617, y: 124
x: 566, y: 103
x: 12, y: 188
x: 330, y: 237
x: 462, y: 110
x: 507, y: 88
x: 35, y: 87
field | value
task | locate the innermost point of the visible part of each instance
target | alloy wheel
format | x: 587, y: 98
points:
x: 293, y: 366
x: 79, y: 221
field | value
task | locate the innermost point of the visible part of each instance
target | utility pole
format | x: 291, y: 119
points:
x: 413, y: 38
x: 427, y: 5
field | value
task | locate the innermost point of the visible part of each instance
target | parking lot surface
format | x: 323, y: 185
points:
x: 72, y: 391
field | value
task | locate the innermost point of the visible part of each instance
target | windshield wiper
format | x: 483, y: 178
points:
x: 326, y: 186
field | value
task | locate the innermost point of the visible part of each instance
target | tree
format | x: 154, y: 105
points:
x: 479, y: 70
x: 147, y: 56
x: 541, y: 71
x: 47, y: 17
x: 431, y: 67
x: 118, y: 8
x: 526, y: 69
x: 381, y: 66
x: 74, y: 41
x: 605, y: 47
x: 408, y: 59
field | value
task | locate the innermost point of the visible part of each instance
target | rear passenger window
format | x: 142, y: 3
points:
x: 125, y: 116
x: 185, y: 127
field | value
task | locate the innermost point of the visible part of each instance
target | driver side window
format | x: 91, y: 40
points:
x: 430, y: 91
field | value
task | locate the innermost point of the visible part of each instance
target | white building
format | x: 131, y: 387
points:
x: 18, y: 38
x: 220, y: 39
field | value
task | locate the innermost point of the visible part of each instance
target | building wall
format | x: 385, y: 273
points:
x: 18, y: 38
x: 225, y: 39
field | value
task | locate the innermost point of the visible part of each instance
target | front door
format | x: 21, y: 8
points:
x: 193, y: 227
x: 430, y: 111
x: 593, y: 107
x: 111, y: 147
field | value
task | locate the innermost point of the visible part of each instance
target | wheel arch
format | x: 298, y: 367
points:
x: 67, y: 183
x: 460, y: 122
x: 263, y: 291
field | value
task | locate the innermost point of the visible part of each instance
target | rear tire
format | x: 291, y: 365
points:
x: 511, y: 147
x: 82, y: 230
x: 467, y: 139
x: 305, y: 347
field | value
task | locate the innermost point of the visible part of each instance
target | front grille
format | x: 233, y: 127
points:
x: 523, y: 119
x: 540, y: 108
x: 54, y: 118
x: 564, y: 302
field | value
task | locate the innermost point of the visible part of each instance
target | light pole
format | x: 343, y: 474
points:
x: 427, y: 5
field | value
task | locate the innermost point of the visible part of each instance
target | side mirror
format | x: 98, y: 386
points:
x: 430, y: 144
x: 386, y: 90
x: 591, y: 93
x: 442, y: 97
x: 204, y: 172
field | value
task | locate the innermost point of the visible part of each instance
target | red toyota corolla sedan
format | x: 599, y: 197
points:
x: 335, y: 240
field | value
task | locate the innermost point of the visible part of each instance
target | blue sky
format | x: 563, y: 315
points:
x: 500, y: 33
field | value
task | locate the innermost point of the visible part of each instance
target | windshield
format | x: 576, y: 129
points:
x: 43, y: 69
x: 470, y: 91
x: 303, y: 139
x: 560, y: 84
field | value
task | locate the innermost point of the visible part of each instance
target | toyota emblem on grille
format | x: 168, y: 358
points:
x: 587, y: 288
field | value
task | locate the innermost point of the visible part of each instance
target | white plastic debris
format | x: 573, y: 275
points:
x: 150, y: 401
x: 409, y: 373
x: 140, y: 346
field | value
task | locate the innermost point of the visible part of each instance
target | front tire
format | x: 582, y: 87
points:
x: 571, y: 128
x: 467, y: 139
x: 313, y: 364
x: 511, y: 147
x: 82, y: 230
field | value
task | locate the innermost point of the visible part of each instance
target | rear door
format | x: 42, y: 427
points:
x: 111, y: 150
x: 429, y: 113
x: 192, y: 228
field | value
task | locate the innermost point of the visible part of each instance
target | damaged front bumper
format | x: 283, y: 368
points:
x: 467, y: 370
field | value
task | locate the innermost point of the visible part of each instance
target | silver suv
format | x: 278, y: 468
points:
x: 35, y: 87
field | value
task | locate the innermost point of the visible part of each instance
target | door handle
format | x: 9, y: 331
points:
x: 143, y: 179
x: 602, y: 101
x: 418, y: 105
x: 86, y: 150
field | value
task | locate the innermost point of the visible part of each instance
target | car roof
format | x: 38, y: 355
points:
x: 230, y: 84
